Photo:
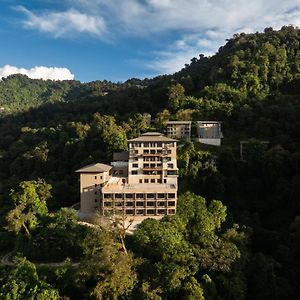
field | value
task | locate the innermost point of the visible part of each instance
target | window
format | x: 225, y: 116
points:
x: 146, y: 145
x: 95, y: 184
x: 129, y: 203
x: 140, y: 211
x: 119, y: 203
x: 146, y: 151
x: 150, y: 203
x: 171, y: 211
x: 152, y: 151
x: 171, y: 166
x: 129, y: 211
x: 150, y: 211
x: 128, y: 196
x: 95, y: 177
x: 107, y: 203
x: 165, y: 180
x: 136, y: 145
x: 161, y: 203
x: 118, y: 196
x: 134, y: 172
x: 171, y: 196
x: 160, y: 196
x: 95, y: 193
x: 140, y: 180
x: 152, y: 180
x: 161, y: 211
x: 150, y: 196
x: 171, y: 203
x: 95, y: 200
x: 100, y: 177
x: 171, y: 172
x: 107, y: 196
x: 135, y: 165
x: 159, y: 181
x: 139, y: 196
x: 139, y: 203
x: 146, y: 181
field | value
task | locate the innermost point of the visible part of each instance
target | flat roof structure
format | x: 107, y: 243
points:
x: 179, y: 122
x: 116, y: 185
x: 152, y: 137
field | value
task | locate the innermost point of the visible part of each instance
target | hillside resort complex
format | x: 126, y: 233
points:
x: 140, y: 183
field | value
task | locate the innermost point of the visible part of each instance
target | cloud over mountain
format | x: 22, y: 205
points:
x: 38, y: 72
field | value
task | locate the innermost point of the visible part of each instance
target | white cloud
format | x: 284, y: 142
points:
x: 38, y: 72
x: 65, y: 23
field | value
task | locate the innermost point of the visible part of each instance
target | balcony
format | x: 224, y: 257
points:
x: 152, y: 168
x: 153, y: 154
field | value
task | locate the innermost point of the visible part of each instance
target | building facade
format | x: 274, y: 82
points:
x: 209, y: 132
x: 179, y: 129
x: 143, y: 186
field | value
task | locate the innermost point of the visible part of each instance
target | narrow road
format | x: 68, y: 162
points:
x: 6, y: 261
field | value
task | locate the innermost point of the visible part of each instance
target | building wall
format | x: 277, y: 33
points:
x: 90, y: 185
x: 214, y: 142
x: 152, y: 162
x: 139, y: 204
x: 179, y: 131
x: 149, y: 190
x: 209, y: 133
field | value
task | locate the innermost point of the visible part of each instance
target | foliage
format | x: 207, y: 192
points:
x: 30, y: 203
x: 49, y: 129
x: 108, y: 269
x: 23, y: 282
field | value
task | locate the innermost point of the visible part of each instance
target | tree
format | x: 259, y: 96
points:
x: 176, y: 96
x: 23, y: 282
x: 107, y: 268
x: 30, y: 204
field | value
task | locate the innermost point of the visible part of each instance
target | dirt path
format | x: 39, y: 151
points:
x: 6, y: 261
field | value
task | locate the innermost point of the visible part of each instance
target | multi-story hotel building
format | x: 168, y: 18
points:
x: 142, y: 183
x: 179, y: 129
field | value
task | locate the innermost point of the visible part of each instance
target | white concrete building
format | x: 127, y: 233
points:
x: 147, y: 187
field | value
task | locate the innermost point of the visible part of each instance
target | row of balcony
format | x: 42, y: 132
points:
x: 138, y: 203
x: 138, y: 212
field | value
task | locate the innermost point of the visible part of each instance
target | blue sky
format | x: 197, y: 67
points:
x: 120, y: 39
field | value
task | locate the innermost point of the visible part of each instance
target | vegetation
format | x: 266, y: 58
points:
x: 237, y: 231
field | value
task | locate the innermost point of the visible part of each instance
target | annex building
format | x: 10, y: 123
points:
x: 179, y: 129
x: 139, y: 183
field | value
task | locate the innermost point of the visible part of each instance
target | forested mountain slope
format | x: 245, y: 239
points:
x: 50, y: 129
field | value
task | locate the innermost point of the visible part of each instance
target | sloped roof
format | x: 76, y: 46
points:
x: 152, y: 137
x: 94, y: 168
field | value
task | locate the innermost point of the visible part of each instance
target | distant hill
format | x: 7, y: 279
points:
x: 248, y: 66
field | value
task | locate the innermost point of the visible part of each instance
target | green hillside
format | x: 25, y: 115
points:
x: 237, y: 234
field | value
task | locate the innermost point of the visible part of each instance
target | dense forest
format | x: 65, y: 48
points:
x: 237, y: 231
